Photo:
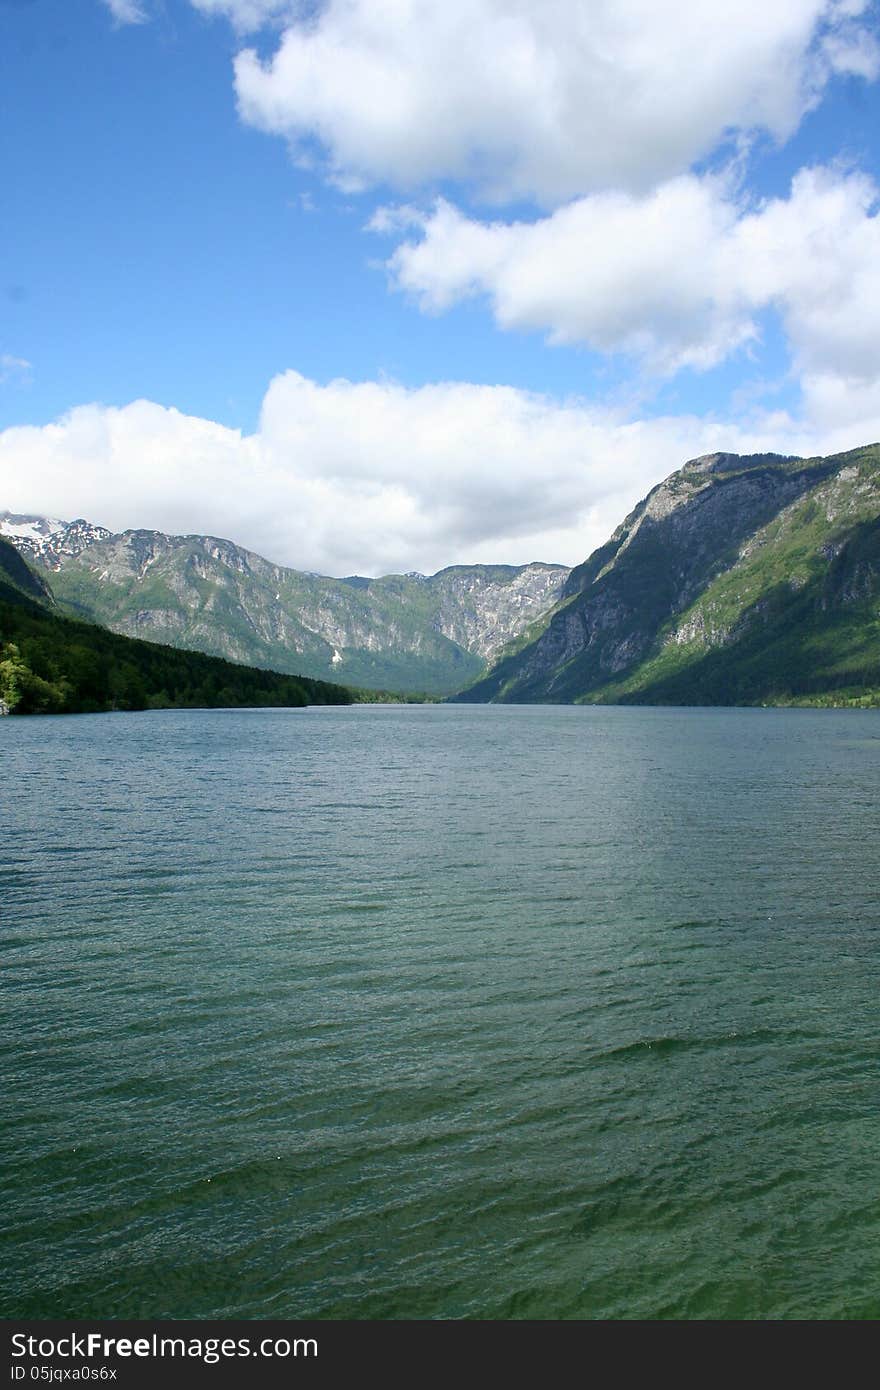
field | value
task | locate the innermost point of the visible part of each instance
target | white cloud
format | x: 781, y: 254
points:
x: 816, y: 256
x: 840, y: 408
x: 127, y: 11
x: 14, y: 369
x: 248, y: 15
x: 373, y: 477
x: 675, y: 277
x: 546, y: 100
x: 623, y: 273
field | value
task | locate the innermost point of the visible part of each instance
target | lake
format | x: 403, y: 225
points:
x: 439, y: 1011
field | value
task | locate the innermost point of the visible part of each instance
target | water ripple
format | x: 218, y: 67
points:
x: 439, y: 1012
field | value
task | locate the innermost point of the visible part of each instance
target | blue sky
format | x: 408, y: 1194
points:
x: 400, y: 284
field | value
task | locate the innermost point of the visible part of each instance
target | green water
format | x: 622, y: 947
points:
x: 441, y: 1012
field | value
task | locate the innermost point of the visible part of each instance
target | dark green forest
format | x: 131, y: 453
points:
x: 51, y: 665
x: 55, y: 665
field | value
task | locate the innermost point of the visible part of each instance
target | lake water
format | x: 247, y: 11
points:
x: 426, y: 1011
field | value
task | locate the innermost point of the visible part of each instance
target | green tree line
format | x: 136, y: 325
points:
x: 53, y: 665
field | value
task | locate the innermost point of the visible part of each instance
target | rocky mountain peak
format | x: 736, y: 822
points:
x: 48, y: 540
x: 723, y: 549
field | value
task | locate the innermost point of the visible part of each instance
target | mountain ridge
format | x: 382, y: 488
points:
x: 408, y: 632
x: 736, y: 580
x: 637, y: 620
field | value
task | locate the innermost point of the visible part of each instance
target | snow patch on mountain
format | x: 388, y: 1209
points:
x: 49, y: 540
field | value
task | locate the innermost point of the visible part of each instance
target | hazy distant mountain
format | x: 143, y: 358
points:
x: 737, y: 580
x: 400, y: 632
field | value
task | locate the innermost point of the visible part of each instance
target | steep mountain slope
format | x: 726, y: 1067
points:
x: 18, y: 582
x: 737, y: 580
x: 402, y: 632
x: 50, y: 664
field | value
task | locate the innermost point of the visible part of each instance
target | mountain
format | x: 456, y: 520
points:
x: 46, y: 541
x: 401, y: 632
x: 51, y: 664
x: 18, y: 582
x: 738, y: 580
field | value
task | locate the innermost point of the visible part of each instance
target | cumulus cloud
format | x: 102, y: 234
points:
x: 373, y: 477
x: 675, y: 277
x: 127, y: 11
x: 641, y: 274
x: 816, y: 257
x: 544, y: 101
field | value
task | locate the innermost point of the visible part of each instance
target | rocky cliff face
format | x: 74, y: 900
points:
x: 399, y: 632
x: 483, y: 608
x: 722, y: 567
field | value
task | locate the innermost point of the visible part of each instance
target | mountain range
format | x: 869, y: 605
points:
x: 408, y: 632
x: 737, y: 580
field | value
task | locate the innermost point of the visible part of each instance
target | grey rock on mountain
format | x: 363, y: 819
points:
x: 736, y: 580
x: 48, y: 541
x: 399, y: 632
